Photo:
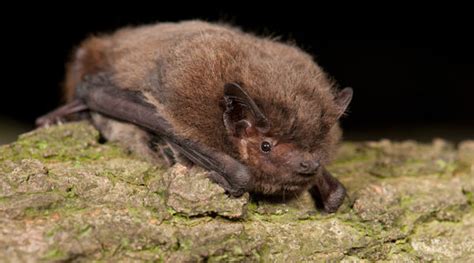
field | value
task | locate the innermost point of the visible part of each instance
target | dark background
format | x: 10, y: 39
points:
x: 412, y: 72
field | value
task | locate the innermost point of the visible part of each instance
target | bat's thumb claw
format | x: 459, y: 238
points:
x: 221, y: 181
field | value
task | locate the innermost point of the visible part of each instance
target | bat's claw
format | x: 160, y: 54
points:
x: 57, y: 116
x: 220, y: 180
x: 46, y: 121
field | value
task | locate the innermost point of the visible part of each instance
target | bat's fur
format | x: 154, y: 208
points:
x: 181, y: 68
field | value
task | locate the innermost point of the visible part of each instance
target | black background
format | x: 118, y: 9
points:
x: 412, y: 71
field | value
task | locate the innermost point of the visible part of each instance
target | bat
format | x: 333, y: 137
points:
x: 259, y: 114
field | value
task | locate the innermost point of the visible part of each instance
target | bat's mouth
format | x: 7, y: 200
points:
x: 306, y: 174
x: 300, y: 180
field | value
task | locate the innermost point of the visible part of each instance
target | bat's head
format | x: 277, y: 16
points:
x: 278, y: 164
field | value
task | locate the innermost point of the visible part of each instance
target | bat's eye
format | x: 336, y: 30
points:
x: 266, y: 146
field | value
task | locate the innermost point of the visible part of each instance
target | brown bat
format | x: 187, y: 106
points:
x: 261, y: 115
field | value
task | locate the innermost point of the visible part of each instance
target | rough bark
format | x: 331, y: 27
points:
x: 64, y: 196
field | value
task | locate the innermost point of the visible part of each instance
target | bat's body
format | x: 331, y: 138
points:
x: 258, y: 113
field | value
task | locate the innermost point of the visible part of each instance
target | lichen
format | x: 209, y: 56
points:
x: 64, y: 196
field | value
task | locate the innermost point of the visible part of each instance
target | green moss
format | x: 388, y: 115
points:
x: 102, y: 204
x: 84, y: 230
x: 53, y: 231
x: 368, y: 229
x: 352, y: 153
x: 470, y: 197
x: 55, y: 254
x: 406, y: 201
x: 402, y: 251
x: 71, y: 142
x: 283, y: 215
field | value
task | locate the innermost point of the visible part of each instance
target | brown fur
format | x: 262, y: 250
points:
x: 88, y: 59
x: 182, y: 68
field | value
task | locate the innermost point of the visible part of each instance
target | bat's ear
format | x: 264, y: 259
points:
x: 343, y: 99
x: 242, y: 115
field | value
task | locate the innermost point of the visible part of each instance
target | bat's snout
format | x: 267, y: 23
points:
x: 308, y: 167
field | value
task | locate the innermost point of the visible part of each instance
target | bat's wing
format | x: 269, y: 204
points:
x: 99, y: 95
x: 327, y: 192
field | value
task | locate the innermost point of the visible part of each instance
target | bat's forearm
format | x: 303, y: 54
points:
x: 131, y: 106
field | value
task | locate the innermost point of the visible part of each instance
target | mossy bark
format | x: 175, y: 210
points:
x: 66, y: 197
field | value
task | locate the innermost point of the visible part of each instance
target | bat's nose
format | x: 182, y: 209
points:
x: 308, y: 167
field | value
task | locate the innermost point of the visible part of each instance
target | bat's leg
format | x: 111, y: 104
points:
x: 179, y: 157
x: 58, y: 114
x: 131, y: 137
x: 131, y: 106
x: 328, y: 193
x: 166, y: 152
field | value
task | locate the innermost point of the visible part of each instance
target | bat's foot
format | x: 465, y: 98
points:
x: 47, y: 120
x: 330, y: 203
x: 167, y: 154
x: 328, y: 193
x: 60, y: 114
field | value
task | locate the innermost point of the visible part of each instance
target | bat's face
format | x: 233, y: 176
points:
x: 277, y: 167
